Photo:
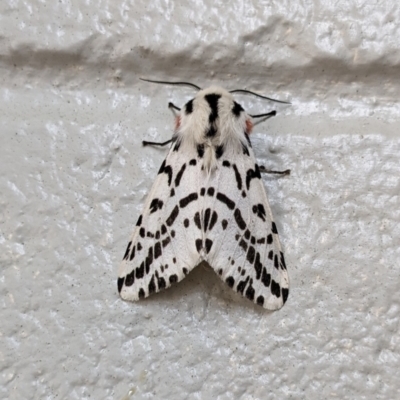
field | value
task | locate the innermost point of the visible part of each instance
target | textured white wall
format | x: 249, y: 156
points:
x: 74, y: 177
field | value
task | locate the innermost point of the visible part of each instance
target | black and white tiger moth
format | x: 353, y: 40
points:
x: 208, y: 203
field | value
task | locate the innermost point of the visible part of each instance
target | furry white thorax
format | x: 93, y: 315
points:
x: 230, y: 129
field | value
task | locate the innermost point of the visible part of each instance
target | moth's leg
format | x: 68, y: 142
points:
x: 172, y: 105
x: 268, y: 114
x: 270, y: 171
x: 146, y: 143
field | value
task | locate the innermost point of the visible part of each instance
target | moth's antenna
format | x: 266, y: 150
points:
x: 172, y: 83
x: 258, y: 95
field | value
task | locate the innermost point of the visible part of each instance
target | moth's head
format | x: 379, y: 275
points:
x: 212, y: 108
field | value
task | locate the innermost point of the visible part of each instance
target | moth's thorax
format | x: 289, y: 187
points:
x: 213, y: 118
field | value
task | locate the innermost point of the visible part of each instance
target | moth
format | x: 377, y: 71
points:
x: 208, y: 203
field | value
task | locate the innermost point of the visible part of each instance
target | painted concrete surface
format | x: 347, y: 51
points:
x: 73, y: 178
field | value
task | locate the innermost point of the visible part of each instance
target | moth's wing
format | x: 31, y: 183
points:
x: 162, y: 249
x: 243, y: 242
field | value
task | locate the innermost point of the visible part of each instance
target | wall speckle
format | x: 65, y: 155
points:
x: 73, y: 178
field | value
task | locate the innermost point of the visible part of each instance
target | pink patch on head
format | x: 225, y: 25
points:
x: 177, y: 123
x: 249, y: 126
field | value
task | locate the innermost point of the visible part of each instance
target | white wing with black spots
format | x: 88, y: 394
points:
x: 161, y: 251
x: 243, y: 243
x: 208, y: 203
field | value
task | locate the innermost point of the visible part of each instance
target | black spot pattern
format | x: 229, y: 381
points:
x: 212, y: 100
x: 152, y: 285
x: 173, y: 278
x: 219, y: 151
x: 250, y: 292
x: 271, y: 255
x: 172, y: 217
x: 199, y: 245
x: 245, y: 150
x: 258, y: 265
x: 127, y: 251
x: 166, y: 169
x: 230, y: 281
x: 186, y: 223
x: 140, y: 271
x: 211, y: 131
x: 149, y: 260
x: 226, y: 200
x: 226, y: 163
x: 269, y: 239
x: 207, y: 216
x: 202, y: 191
x: 243, y: 244
x: 283, y: 264
x: 242, y: 285
x: 133, y: 253
x: 189, y: 107
x: 179, y: 175
x: 193, y: 162
x: 197, y: 220
x: 121, y: 283
x: 259, y: 210
x: 139, y: 221
x: 188, y: 199
x: 156, y: 204
x: 200, y: 150
x: 208, y: 243
x: 210, y: 191
x: 237, y: 109
x: 285, y: 294
x: 252, y: 174
x: 239, y: 219
x: 142, y: 232
x: 130, y: 279
x: 274, y: 230
x: 214, y: 218
x: 275, y: 288
x: 161, y: 282
x: 260, y: 300
x: 276, y: 262
x: 177, y: 145
x: 265, y: 278
x: 141, y: 293
x: 238, y: 177
x: 251, y: 254
x: 166, y: 241
x: 157, y: 250
x: 224, y: 223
